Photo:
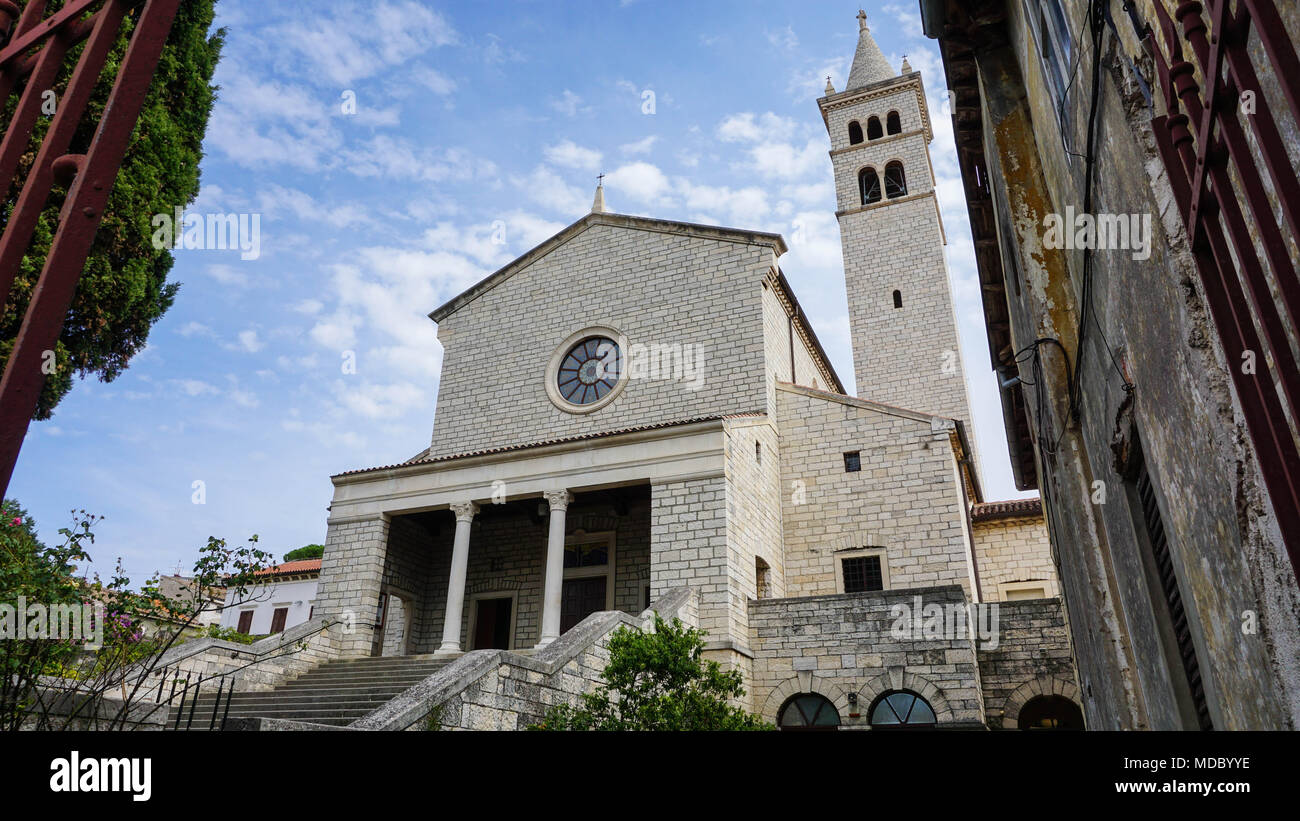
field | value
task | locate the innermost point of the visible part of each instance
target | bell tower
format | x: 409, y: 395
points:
x: 901, y: 317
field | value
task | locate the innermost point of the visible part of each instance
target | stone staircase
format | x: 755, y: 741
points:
x: 336, y: 693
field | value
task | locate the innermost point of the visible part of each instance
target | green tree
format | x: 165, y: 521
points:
x: 123, y: 289
x: 658, y: 681
x: 44, y: 674
x: 309, y: 551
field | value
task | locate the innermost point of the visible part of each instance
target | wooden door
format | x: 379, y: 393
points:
x: 245, y: 622
x: 492, y: 624
x: 278, y: 618
x: 579, y: 599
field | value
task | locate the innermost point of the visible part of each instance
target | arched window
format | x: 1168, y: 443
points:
x: 855, y: 133
x: 808, y: 711
x: 898, y: 299
x: 893, y: 125
x: 901, y: 709
x: 1050, y: 713
x: 895, y: 182
x: 873, y: 129
x: 869, y: 186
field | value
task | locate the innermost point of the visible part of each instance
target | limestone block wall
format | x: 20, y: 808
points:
x: 352, y: 570
x: 1014, y: 550
x: 906, y: 498
x: 1032, y: 657
x: 655, y: 287
x: 689, y: 547
x: 907, y: 356
x: 841, y: 645
x: 753, y: 511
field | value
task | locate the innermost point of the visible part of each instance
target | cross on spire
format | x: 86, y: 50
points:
x: 862, y: 20
x: 600, y: 180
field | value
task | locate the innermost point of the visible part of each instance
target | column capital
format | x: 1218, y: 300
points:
x: 465, y: 511
x: 558, y: 499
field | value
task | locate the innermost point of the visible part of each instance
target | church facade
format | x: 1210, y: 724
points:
x: 639, y: 406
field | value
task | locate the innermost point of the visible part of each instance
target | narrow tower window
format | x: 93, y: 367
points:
x: 869, y: 185
x: 873, y: 129
x: 855, y: 133
x: 898, y: 299
x: 895, y: 182
x: 758, y: 452
x: 892, y: 123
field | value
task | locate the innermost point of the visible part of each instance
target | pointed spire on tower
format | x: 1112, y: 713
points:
x: 907, y: 67
x: 830, y: 89
x: 869, y: 64
x: 598, y: 204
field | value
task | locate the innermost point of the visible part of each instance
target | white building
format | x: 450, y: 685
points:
x: 281, y: 597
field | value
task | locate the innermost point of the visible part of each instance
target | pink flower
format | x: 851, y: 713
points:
x: 17, y: 521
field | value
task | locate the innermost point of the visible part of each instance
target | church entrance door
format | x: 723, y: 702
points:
x: 579, y: 599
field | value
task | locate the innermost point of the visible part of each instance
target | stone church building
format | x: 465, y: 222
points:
x: 637, y: 413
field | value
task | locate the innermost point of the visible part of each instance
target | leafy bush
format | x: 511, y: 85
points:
x: 658, y: 681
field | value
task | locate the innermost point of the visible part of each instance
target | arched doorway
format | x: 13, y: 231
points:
x: 808, y: 711
x: 1050, y: 713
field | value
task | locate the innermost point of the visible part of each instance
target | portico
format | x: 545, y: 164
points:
x: 509, y: 549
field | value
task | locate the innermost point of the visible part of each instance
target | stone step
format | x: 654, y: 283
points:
x: 356, y: 681
x: 380, y: 691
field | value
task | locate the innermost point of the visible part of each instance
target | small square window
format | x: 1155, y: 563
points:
x: 862, y: 574
x: 852, y: 462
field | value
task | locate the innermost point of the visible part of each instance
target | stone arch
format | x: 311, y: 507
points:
x: 897, y: 678
x: 1041, y: 686
x: 806, y: 682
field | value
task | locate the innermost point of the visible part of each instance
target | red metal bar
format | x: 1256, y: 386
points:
x: 18, y: 45
x: 1272, y: 34
x: 21, y: 385
x: 1256, y: 196
x: 29, y: 106
x: 1188, y: 163
x: 36, y: 188
x: 30, y: 16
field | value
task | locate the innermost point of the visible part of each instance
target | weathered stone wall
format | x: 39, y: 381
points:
x: 1151, y: 314
x: 352, y: 570
x: 655, y: 287
x: 905, y: 498
x: 841, y: 645
x: 1032, y: 658
x: 1013, y: 550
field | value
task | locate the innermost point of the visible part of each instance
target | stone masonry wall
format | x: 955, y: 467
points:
x: 841, y: 645
x: 1013, y: 550
x: 1033, y: 657
x: 905, y: 499
x: 655, y: 287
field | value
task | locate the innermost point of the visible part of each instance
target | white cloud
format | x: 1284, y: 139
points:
x: 641, y: 146
x: 568, y: 104
x: 641, y: 181
x: 548, y: 189
x: 569, y: 154
x: 434, y: 80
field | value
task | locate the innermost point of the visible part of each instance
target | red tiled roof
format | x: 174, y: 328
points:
x: 290, y: 568
x: 1010, y: 509
x: 562, y: 440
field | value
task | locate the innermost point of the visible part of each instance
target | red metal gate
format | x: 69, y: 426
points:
x: 1203, y: 145
x: 35, y: 50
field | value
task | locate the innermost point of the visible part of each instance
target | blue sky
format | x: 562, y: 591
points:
x: 470, y: 118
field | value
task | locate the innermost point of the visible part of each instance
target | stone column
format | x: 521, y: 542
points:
x: 559, y: 502
x: 456, y: 585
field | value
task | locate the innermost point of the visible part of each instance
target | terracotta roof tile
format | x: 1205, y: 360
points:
x: 1010, y: 509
